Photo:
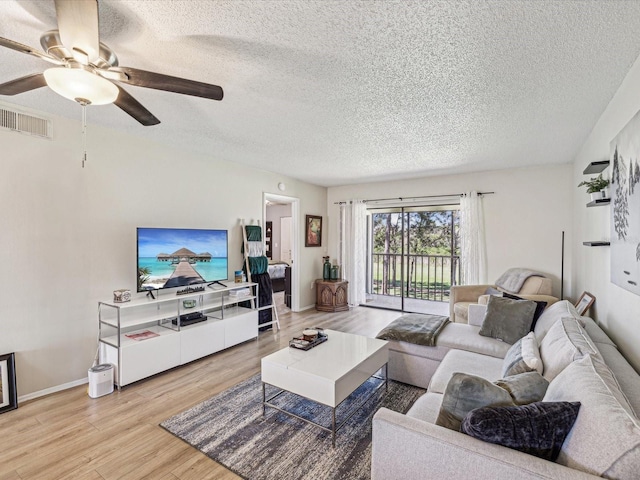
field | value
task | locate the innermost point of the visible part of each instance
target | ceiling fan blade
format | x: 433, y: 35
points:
x: 78, y: 26
x: 134, y: 108
x: 19, y: 47
x: 23, y: 84
x: 142, y: 78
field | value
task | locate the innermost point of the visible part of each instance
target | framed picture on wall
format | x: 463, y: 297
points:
x: 313, y: 231
x: 8, y: 393
x: 584, y: 302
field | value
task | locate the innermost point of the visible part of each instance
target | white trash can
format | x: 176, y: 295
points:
x: 100, y: 380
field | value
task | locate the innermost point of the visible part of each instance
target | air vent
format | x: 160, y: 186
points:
x: 25, y: 123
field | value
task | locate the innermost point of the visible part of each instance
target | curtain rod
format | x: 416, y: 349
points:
x: 402, y: 199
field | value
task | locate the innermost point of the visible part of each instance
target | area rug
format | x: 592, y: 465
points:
x: 230, y: 429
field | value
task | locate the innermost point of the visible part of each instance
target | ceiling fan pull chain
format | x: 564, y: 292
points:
x: 84, y: 134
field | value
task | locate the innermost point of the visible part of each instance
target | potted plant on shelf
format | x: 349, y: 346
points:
x: 595, y: 186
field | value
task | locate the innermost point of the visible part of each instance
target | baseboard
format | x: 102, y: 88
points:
x: 308, y: 307
x: 48, y: 391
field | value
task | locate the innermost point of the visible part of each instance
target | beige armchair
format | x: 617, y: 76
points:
x: 533, y: 288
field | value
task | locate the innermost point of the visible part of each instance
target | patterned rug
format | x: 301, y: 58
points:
x: 230, y: 429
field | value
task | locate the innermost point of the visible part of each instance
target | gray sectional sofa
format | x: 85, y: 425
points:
x: 581, y: 363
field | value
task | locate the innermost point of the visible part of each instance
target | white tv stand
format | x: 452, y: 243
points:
x: 170, y: 344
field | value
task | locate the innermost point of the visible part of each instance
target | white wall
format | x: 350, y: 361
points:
x: 68, y: 234
x: 524, y: 219
x: 617, y: 310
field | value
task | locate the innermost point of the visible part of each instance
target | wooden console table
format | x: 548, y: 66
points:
x: 331, y: 295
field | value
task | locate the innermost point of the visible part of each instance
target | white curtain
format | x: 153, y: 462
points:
x: 472, y: 240
x: 353, y: 249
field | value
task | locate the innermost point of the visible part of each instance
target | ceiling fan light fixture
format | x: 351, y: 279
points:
x: 80, y: 85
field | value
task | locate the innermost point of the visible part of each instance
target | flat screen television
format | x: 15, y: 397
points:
x: 179, y: 257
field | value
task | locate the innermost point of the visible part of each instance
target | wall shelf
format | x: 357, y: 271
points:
x: 596, y: 167
x: 599, y: 202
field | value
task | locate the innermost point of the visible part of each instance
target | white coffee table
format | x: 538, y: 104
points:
x: 327, y: 374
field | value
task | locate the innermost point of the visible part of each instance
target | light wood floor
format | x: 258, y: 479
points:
x: 70, y: 435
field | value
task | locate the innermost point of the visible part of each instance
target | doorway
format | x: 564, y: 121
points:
x: 281, y: 213
x: 414, y: 258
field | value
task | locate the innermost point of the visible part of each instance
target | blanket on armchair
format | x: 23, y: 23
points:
x: 513, y: 279
x: 415, y: 328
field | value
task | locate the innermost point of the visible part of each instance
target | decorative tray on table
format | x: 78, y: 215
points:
x: 307, y: 341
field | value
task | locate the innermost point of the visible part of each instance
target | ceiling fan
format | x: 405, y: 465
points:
x: 87, y: 70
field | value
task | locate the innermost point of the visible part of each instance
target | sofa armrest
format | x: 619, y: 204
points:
x: 465, y: 293
x: 476, y: 314
x: 411, y: 449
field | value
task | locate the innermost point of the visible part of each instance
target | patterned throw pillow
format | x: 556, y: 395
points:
x: 523, y: 356
x: 537, y: 429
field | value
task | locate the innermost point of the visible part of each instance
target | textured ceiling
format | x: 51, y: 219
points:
x: 339, y: 92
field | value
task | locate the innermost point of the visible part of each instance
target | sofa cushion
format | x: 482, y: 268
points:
x: 483, y: 366
x: 506, y: 319
x: 596, y: 334
x: 465, y: 337
x: 525, y: 387
x: 427, y: 407
x: 552, y: 314
x: 627, y: 377
x: 605, y: 440
x: 537, y: 429
x: 476, y: 314
x: 523, y: 356
x: 466, y: 392
x: 565, y: 342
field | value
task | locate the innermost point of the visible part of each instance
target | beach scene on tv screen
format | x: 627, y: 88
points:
x: 172, y: 257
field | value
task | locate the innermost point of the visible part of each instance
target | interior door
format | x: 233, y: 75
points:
x: 285, y: 240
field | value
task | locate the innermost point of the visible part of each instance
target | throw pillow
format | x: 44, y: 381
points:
x: 523, y: 356
x: 507, y: 319
x: 525, y: 387
x: 605, y: 440
x: 540, y: 306
x: 537, y: 429
x: 551, y: 315
x: 466, y: 392
x: 565, y: 342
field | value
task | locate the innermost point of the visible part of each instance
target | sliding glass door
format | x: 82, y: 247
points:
x: 414, y: 257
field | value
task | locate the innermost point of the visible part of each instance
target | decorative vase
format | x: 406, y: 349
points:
x: 596, y: 195
x: 326, y: 269
x: 334, y: 272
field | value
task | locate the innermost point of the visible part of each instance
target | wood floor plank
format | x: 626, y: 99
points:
x: 70, y: 435
x: 12, y: 475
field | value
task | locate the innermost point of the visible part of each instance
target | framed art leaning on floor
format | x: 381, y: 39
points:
x: 8, y: 393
